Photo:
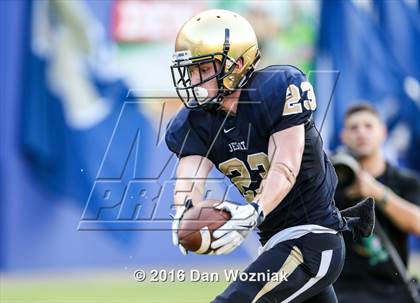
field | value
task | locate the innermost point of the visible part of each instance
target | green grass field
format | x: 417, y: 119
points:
x: 88, y: 291
x: 112, y: 287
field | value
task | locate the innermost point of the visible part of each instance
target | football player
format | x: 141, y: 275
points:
x: 256, y: 128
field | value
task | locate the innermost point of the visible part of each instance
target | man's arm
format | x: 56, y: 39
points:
x: 404, y: 214
x: 285, y: 152
x: 191, y: 175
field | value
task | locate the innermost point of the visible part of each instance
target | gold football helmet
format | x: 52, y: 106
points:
x: 209, y: 36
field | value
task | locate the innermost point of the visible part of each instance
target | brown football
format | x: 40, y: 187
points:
x: 196, y: 227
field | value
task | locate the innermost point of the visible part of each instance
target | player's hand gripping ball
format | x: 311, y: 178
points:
x: 195, y: 229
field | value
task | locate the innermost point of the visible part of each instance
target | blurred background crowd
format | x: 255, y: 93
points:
x: 86, y: 93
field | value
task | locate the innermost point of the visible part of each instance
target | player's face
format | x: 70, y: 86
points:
x: 363, y: 133
x: 207, y: 70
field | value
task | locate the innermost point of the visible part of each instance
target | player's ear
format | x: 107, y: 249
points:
x: 239, y: 63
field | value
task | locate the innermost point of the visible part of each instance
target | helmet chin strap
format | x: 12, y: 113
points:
x: 212, y: 105
x: 215, y: 103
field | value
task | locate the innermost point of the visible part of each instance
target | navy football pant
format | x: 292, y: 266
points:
x: 311, y: 264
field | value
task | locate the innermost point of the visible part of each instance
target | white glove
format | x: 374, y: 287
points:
x: 244, y: 219
x: 175, y: 224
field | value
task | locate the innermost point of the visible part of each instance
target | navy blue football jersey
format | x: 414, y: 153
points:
x: 275, y: 98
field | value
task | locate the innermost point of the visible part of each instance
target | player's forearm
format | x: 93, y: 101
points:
x: 284, y: 166
x: 275, y: 186
x: 192, y: 172
x: 404, y: 214
x: 188, y: 189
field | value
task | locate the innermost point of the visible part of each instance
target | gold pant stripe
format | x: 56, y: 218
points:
x: 294, y: 259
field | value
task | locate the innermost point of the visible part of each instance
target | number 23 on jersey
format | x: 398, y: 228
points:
x: 294, y: 100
